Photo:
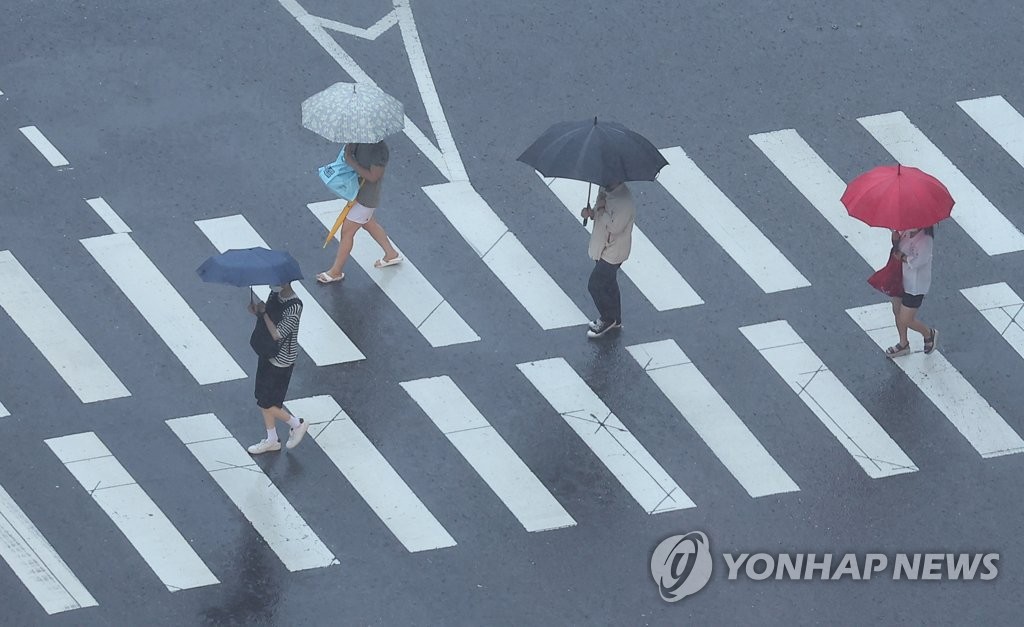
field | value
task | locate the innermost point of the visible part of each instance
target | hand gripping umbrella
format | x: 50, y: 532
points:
x: 601, y: 153
x: 250, y: 266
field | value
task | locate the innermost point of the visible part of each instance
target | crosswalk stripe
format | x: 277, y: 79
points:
x: 979, y: 218
x: 609, y: 439
x: 252, y: 492
x: 322, y: 339
x: 43, y: 145
x: 823, y: 188
x: 943, y: 384
x: 3, y: 411
x: 108, y: 215
x: 1001, y: 121
x: 646, y: 267
x: 505, y: 255
x: 163, y: 308
x: 1001, y: 306
x: 727, y: 225
x: 712, y: 418
x: 412, y: 293
x: 488, y: 453
x: 156, y: 539
x: 826, y: 396
x: 36, y: 563
x: 52, y: 333
x: 371, y: 475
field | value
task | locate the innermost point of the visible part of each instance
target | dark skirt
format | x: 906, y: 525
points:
x: 271, y: 384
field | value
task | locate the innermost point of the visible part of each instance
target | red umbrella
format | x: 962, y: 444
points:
x: 897, y: 197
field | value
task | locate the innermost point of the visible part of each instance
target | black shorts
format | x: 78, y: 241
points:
x: 271, y: 384
x: 912, y: 300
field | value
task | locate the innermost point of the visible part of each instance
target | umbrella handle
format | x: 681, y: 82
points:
x: 589, y: 186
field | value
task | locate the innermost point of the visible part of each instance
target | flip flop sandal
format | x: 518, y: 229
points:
x: 897, y: 350
x: 929, y: 342
x: 380, y: 263
x: 324, y: 278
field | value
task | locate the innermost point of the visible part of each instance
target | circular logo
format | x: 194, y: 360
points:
x: 681, y: 565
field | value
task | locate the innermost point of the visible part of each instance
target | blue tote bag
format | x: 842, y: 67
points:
x: 340, y: 178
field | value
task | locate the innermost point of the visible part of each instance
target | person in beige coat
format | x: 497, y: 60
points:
x: 613, y: 215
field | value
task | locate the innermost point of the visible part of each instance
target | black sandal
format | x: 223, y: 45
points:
x: 929, y: 342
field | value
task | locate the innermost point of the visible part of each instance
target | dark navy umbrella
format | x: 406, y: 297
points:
x: 250, y: 266
x: 602, y: 153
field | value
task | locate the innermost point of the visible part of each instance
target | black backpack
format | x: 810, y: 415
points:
x: 261, y: 341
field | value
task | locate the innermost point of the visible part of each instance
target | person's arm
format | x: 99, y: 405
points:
x: 259, y: 309
x: 920, y: 253
x: 289, y: 322
x: 372, y: 174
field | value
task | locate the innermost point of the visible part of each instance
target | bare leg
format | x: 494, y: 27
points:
x: 348, y: 233
x: 907, y: 319
x: 378, y: 234
x: 268, y: 418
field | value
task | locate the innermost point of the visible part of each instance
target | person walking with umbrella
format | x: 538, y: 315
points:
x: 613, y: 214
x: 910, y: 203
x: 280, y: 317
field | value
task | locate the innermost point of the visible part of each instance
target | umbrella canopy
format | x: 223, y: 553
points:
x: 357, y: 113
x: 897, y: 197
x: 596, y: 152
x: 250, y: 266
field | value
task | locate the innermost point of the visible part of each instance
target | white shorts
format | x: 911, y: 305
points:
x: 359, y: 214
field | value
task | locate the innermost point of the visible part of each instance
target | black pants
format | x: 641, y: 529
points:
x: 604, y: 289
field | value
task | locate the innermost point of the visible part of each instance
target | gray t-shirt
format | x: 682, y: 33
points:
x: 368, y: 155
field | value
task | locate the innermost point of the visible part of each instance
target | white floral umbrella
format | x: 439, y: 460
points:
x: 353, y: 113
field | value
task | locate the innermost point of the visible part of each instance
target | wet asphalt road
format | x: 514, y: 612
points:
x: 176, y: 112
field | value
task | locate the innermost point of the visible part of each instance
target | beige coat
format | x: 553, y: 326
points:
x: 614, y: 213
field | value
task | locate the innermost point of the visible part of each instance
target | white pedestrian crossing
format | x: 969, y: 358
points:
x: 1001, y: 306
x: 979, y: 218
x: 825, y: 395
x: 108, y: 215
x: 609, y: 439
x: 944, y: 386
x: 727, y: 225
x: 371, y: 475
x: 488, y: 453
x: 823, y: 188
x: 712, y: 418
x: 36, y: 563
x: 319, y: 336
x: 505, y: 255
x: 3, y: 411
x: 163, y: 308
x: 646, y: 267
x: 252, y: 492
x: 412, y: 293
x: 52, y: 333
x: 1001, y: 121
x: 43, y: 145
x: 156, y: 539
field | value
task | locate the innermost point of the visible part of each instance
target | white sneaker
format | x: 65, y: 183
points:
x: 264, y: 446
x: 295, y: 435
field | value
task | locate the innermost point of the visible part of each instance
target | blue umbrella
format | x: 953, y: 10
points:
x: 250, y: 266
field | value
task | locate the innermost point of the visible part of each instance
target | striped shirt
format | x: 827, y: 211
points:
x: 288, y: 329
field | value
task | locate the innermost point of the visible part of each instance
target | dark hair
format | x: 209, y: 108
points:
x: 930, y: 231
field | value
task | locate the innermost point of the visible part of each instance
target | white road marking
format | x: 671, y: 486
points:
x: 609, y: 439
x: 3, y: 411
x: 823, y: 188
x: 488, y: 453
x: 321, y: 338
x: 371, y: 33
x: 1002, y: 307
x: 944, y: 386
x: 826, y: 396
x: 36, y: 563
x: 252, y: 492
x: 646, y: 267
x: 979, y: 218
x: 505, y: 255
x: 163, y: 308
x: 104, y: 211
x: 53, y: 334
x: 1001, y: 121
x: 412, y: 293
x: 371, y: 475
x: 43, y: 145
x: 130, y: 508
x: 712, y: 418
x: 727, y: 225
